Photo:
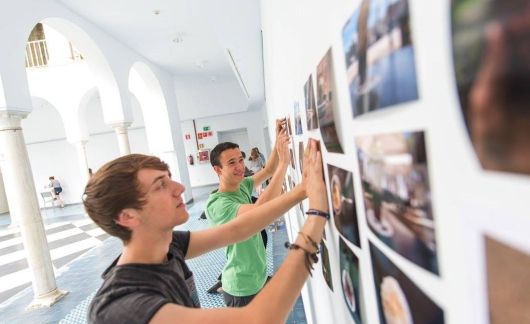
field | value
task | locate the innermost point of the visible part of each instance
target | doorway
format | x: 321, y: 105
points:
x: 238, y: 136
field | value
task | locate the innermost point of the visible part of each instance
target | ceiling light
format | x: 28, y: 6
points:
x: 156, y: 12
x: 178, y: 38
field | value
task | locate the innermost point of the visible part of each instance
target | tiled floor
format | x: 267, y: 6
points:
x: 81, y: 277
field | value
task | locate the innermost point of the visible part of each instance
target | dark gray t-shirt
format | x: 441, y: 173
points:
x: 133, y: 293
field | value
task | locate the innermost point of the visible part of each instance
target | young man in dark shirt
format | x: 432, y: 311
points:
x: 134, y: 198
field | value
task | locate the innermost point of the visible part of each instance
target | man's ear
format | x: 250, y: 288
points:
x: 217, y: 169
x: 127, y: 218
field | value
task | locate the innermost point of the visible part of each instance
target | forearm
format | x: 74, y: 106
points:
x: 274, y: 188
x: 254, y: 220
x: 277, y: 298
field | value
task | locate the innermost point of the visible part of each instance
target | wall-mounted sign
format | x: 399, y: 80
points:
x: 206, y: 128
x: 199, y: 135
x: 203, y: 156
x: 187, y: 136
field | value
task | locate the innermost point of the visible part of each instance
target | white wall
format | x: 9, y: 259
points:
x: 467, y: 201
x: 203, y: 174
x: 199, y: 101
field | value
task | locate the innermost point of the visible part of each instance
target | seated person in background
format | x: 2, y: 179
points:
x: 134, y: 199
x: 245, y: 271
x: 57, y: 189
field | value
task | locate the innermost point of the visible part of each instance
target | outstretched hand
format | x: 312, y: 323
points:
x: 313, y: 177
x: 282, y: 147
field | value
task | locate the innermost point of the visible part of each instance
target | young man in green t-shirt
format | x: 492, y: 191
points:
x: 245, y: 271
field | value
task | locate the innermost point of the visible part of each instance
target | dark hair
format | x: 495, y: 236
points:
x: 115, y: 187
x: 215, y: 154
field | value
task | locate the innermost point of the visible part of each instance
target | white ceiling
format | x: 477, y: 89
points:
x: 207, y: 29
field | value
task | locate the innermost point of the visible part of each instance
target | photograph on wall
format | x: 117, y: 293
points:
x: 288, y: 124
x: 310, y: 104
x: 349, y: 278
x: 301, y: 156
x: 399, y: 300
x: 491, y: 55
x: 326, y: 268
x: 203, y: 156
x: 297, y: 119
x: 379, y: 53
x: 508, y: 283
x: 343, y: 203
x: 326, y: 104
x: 397, y: 194
x: 291, y: 157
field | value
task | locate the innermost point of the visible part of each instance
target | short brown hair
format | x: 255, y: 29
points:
x: 115, y: 187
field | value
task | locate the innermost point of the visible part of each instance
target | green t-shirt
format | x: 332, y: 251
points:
x: 245, y: 271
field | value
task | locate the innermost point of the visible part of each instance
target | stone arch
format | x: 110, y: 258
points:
x: 145, y: 86
x: 114, y: 97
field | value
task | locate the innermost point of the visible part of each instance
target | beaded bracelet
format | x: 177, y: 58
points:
x: 310, y: 257
x: 317, y: 212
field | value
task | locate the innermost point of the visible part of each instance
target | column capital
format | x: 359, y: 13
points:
x: 11, y: 119
x: 120, y: 124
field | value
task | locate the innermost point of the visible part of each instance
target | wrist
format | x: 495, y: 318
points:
x: 321, y: 207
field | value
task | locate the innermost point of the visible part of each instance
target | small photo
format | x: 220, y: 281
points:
x: 326, y: 269
x: 301, y: 156
x: 291, y: 154
x: 491, y: 56
x: 326, y: 104
x: 399, y: 300
x: 297, y: 119
x: 343, y: 203
x: 508, y: 282
x: 288, y: 123
x: 349, y: 278
x: 204, y: 156
x: 310, y: 104
x: 397, y: 194
x: 379, y: 53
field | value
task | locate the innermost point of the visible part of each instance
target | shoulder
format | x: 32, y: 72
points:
x: 118, y: 301
x: 180, y: 242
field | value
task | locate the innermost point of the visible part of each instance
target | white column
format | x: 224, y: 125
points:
x: 4, y: 207
x: 80, y: 148
x: 24, y: 209
x: 123, y: 137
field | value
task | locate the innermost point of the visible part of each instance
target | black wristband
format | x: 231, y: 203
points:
x: 317, y: 212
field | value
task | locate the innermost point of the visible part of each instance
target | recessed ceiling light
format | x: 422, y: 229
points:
x: 156, y: 12
x: 178, y: 38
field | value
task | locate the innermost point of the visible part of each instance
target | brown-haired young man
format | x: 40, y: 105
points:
x: 134, y: 198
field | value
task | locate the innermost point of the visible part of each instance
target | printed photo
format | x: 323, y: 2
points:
x: 491, y: 55
x: 326, y: 104
x: 379, y: 53
x: 397, y: 194
x: 288, y: 123
x: 301, y: 156
x: 343, y: 203
x: 349, y: 277
x: 204, y: 156
x: 508, y: 282
x: 310, y: 104
x: 297, y: 119
x: 326, y: 269
x: 291, y: 154
x: 399, y: 300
